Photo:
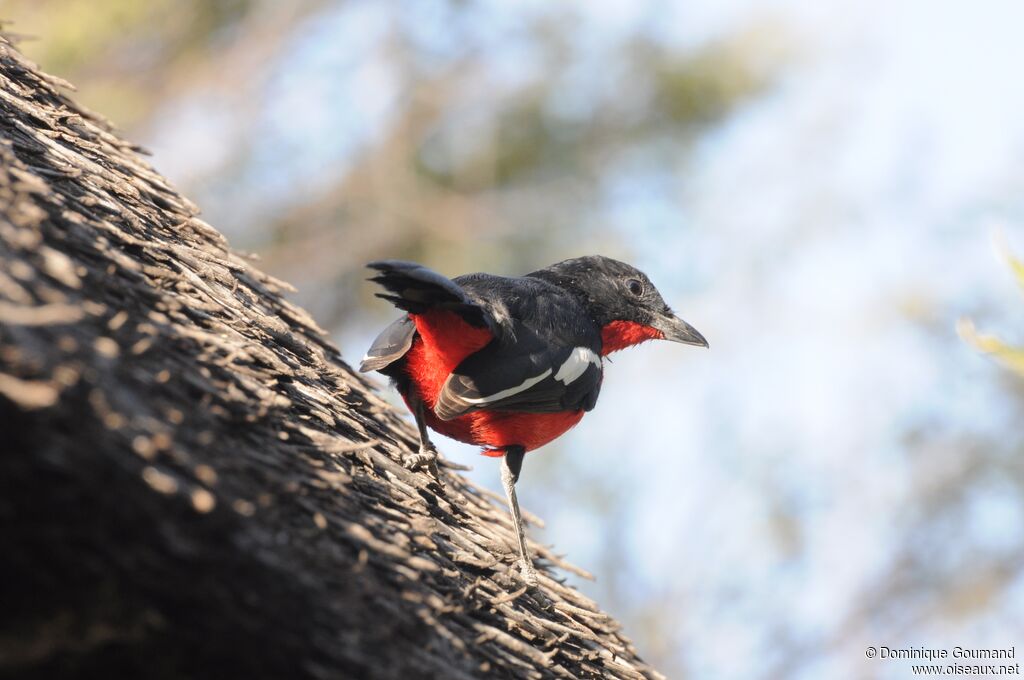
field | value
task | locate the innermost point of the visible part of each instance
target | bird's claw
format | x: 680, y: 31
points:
x: 427, y: 457
x: 529, y: 575
x: 419, y: 460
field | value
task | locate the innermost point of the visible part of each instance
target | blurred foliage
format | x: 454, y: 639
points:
x: 1009, y: 355
x: 472, y: 170
x: 126, y: 57
x: 477, y: 175
x: 704, y: 88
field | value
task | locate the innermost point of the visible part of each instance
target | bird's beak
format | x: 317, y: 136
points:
x: 677, y: 330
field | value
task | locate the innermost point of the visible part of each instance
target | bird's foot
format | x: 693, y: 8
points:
x: 426, y: 458
x: 529, y: 575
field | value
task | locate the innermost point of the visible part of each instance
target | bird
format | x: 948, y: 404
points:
x: 511, y: 363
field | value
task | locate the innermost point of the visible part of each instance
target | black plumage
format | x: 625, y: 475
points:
x: 510, y: 363
x: 536, y: 323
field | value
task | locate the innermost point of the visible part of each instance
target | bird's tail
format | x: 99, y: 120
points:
x: 418, y: 290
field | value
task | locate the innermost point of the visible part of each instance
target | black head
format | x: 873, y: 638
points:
x: 615, y: 291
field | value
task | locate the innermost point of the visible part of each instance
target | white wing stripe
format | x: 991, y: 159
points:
x: 571, y: 369
x: 576, y: 365
x: 526, y: 384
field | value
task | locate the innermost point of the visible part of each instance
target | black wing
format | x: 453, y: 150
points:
x: 417, y: 289
x: 530, y: 375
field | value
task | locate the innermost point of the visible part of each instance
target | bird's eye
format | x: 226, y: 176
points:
x: 636, y: 287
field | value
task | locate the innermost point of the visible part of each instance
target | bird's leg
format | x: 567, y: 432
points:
x: 511, y: 465
x: 427, y: 455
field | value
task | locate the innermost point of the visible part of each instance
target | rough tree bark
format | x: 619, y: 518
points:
x: 193, y: 483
